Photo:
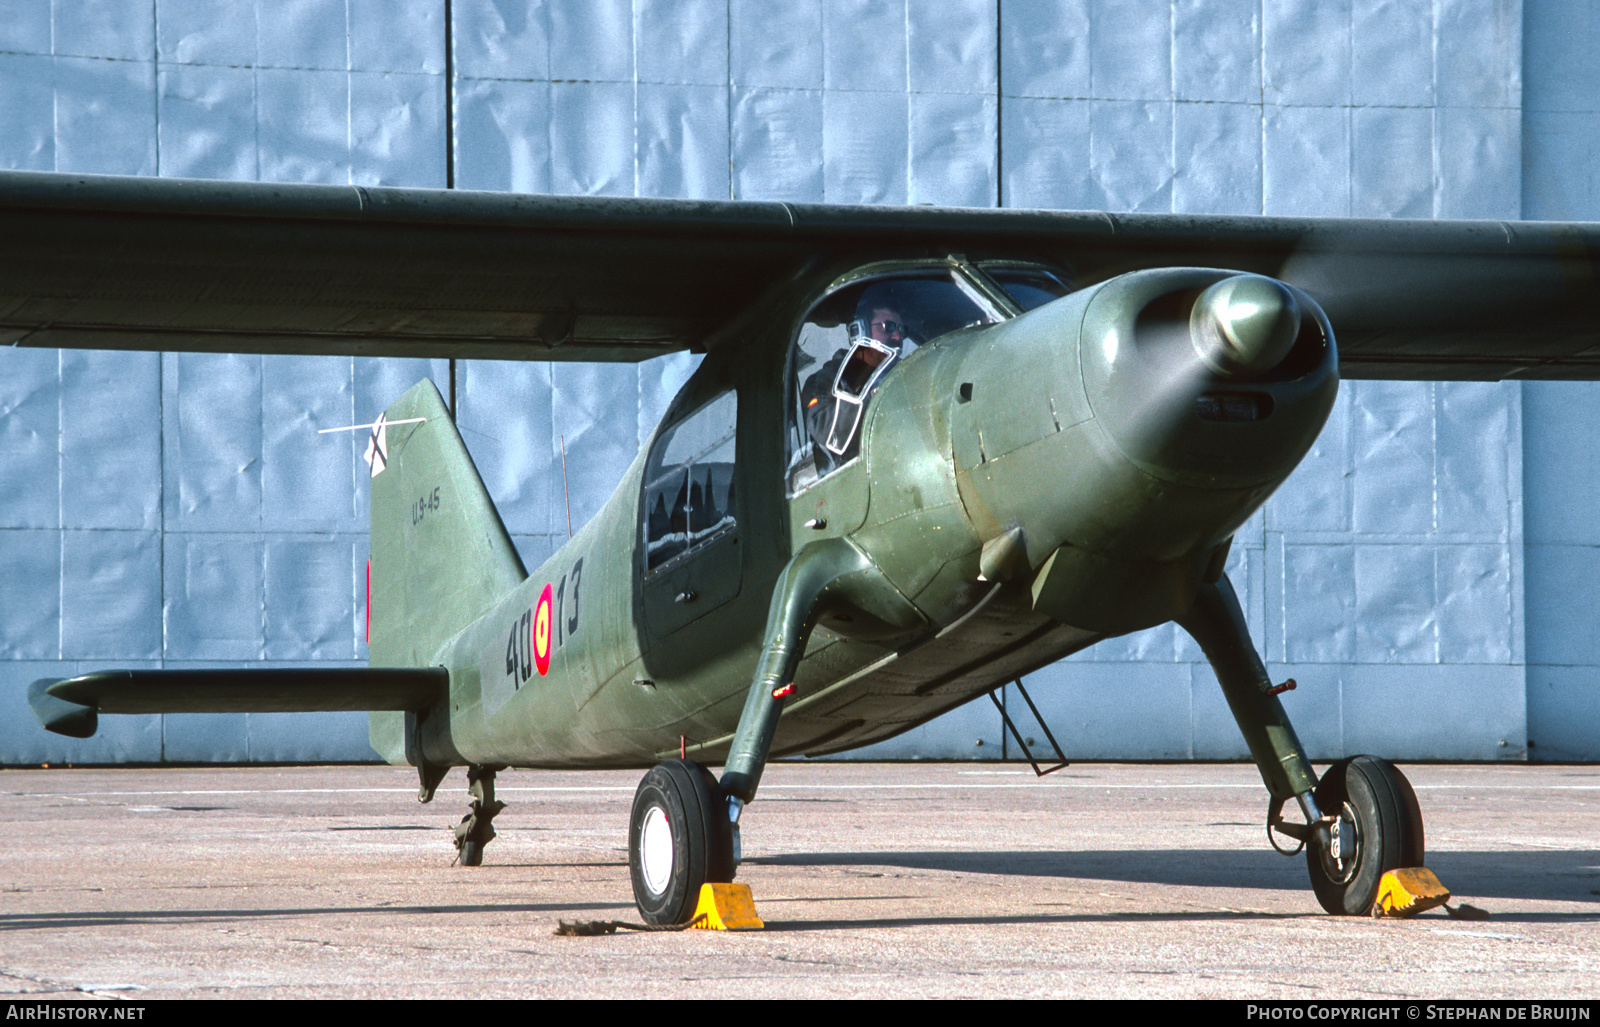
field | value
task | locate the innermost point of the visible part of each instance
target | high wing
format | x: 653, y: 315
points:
x: 139, y: 263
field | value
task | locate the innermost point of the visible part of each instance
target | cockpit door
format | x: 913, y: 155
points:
x: 690, y: 521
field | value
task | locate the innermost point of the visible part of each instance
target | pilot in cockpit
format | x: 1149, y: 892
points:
x: 836, y: 393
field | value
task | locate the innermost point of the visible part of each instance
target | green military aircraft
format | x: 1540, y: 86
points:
x: 927, y: 451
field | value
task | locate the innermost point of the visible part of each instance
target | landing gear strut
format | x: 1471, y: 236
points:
x: 685, y: 827
x: 1362, y: 819
x: 477, y: 828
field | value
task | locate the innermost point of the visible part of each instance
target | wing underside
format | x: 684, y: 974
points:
x: 138, y: 263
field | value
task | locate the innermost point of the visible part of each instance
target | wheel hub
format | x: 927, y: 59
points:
x: 1340, y: 853
x: 656, y: 850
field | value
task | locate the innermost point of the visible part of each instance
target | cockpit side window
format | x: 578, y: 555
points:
x: 847, y: 343
x: 689, y: 482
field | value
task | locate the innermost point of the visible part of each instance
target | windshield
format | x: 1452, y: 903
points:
x: 1030, y: 287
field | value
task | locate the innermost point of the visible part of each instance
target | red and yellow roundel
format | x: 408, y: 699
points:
x: 541, y: 632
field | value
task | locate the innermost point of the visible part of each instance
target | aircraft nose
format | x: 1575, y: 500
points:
x: 1244, y: 325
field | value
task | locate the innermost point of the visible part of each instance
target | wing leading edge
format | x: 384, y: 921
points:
x: 139, y: 263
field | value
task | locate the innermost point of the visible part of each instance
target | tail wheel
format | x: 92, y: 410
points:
x: 678, y: 840
x: 1378, y: 829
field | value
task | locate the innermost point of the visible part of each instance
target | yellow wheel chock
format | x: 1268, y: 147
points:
x: 726, y: 907
x: 1407, y: 892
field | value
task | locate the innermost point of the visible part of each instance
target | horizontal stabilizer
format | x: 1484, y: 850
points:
x: 71, y: 706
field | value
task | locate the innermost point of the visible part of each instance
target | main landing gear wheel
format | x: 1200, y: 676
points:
x: 678, y: 840
x: 1379, y: 828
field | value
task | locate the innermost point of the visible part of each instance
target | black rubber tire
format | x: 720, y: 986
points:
x: 1389, y: 832
x: 471, y: 854
x: 687, y: 796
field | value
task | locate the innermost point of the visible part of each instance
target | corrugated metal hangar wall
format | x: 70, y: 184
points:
x: 1429, y: 576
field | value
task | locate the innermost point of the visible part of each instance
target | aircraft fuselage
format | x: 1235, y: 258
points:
x: 1021, y: 490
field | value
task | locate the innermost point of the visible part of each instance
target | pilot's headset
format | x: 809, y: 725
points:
x: 865, y: 364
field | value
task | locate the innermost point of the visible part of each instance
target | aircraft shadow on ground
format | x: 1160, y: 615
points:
x: 113, y: 918
x: 1549, y: 875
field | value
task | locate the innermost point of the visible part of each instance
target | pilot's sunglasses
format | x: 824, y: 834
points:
x: 889, y: 327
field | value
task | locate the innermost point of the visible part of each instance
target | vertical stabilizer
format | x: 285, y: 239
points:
x: 440, y: 554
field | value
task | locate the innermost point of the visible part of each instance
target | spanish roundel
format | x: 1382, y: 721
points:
x: 541, y: 632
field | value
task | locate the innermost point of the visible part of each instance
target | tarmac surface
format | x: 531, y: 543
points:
x: 899, y: 880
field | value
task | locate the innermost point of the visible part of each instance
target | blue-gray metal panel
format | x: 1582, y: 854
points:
x: 211, y: 420
x: 1396, y: 597
x: 397, y: 129
x: 1478, y: 52
x: 1480, y: 166
x: 206, y: 32
x: 1319, y: 600
x: 306, y: 477
x: 1317, y: 495
x: 951, y: 161
x: 1392, y: 58
x: 777, y: 134
x: 1454, y: 711
x: 30, y: 594
x: 307, y: 610
x: 1478, y: 457
x: 591, y: 138
x: 1300, y: 146
x: 502, y: 135
x: 1130, y: 155
x: 1044, y: 49
x: 1216, y: 52
x: 205, y: 737
x: 214, y: 596
x: 682, y: 140
x: 104, y: 120
x: 118, y: 29
x: 969, y: 732
x: 686, y: 44
x: 395, y: 35
x: 864, y: 144
x: 1216, y: 158
x: 26, y: 29
x: 206, y: 119
x: 864, y: 46
x: 303, y: 34
x: 1475, y: 613
x: 111, y: 595
x: 505, y: 419
x: 135, y: 739
x: 500, y: 40
x: 594, y: 409
x: 30, y: 434
x: 110, y: 439
x: 309, y: 738
x: 1392, y: 170
x: 302, y: 125
x: 1563, y: 708
x: 1114, y: 711
x: 776, y: 46
x: 1130, y: 50
x: 952, y: 47
x: 1306, y: 53
x: 27, y: 118
x: 591, y: 40
x: 1392, y: 464
x: 1046, y: 150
